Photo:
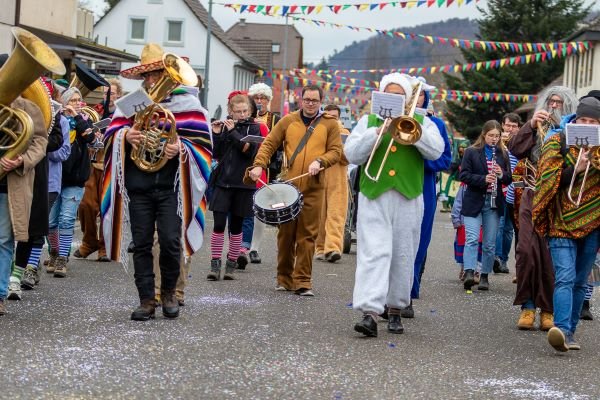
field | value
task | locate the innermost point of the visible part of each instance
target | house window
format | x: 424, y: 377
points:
x: 275, y: 47
x: 137, y: 28
x: 174, y: 34
x: 242, y: 79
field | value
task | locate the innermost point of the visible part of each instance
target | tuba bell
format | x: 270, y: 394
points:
x: 404, y: 130
x: 157, y: 123
x: 20, y: 76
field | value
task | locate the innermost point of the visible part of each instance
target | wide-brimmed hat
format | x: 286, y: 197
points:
x: 150, y: 60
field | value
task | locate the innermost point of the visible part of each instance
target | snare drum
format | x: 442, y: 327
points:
x: 277, y: 203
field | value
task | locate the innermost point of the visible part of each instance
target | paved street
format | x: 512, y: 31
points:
x: 72, y: 339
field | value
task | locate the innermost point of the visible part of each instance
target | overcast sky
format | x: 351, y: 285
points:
x: 322, y: 41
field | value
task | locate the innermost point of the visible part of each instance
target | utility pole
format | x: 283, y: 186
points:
x: 207, y: 57
x: 283, y: 71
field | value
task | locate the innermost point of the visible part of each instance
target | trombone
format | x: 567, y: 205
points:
x: 404, y: 130
x: 593, y: 160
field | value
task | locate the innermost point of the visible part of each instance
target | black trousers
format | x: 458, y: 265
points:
x: 147, y: 212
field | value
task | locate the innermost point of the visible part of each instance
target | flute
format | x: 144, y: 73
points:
x: 495, y: 183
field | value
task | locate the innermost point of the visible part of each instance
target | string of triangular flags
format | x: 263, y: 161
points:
x: 277, y: 9
x: 517, y: 47
x: 443, y: 94
x: 427, y: 70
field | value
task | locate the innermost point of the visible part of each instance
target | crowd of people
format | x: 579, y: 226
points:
x: 518, y: 182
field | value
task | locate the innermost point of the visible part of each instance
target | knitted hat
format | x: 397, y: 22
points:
x: 262, y: 89
x: 399, y: 79
x: 150, y: 60
x: 589, y: 107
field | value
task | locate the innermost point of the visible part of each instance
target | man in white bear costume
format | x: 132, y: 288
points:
x: 390, y: 211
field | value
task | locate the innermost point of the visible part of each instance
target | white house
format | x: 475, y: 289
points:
x: 582, y: 71
x: 179, y: 26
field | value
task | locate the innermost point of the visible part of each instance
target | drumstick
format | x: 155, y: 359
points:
x: 301, y: 176
x: 266, y: 185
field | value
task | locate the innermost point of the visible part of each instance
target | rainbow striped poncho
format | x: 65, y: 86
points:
x: 193, y: 174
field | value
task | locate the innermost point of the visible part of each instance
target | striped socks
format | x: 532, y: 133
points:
x: 64, y: 247
x: 217, y: 240
x: 235, y: 245
x: 34, y: 256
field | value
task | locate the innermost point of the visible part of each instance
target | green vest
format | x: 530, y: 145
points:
x: 403, y: 170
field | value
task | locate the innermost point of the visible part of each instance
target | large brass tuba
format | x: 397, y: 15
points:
x: 404, y: 130
x: 157, y: 123
x: 20, y: 75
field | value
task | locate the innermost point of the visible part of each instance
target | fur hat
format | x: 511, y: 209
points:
x: 405, y: 81
x: 150, y: 60
x: 260, y: 88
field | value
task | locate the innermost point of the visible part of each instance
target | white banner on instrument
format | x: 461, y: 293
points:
x: 132, y: 103
x: 582, y: 135
x: 387, y: 105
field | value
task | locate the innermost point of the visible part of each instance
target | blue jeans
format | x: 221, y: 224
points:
x: 7, y: 245
x: 573, y: 260
x: 247, y: 229
x: 487, y: 218
x: 64, y: 210
x: 504, y: 237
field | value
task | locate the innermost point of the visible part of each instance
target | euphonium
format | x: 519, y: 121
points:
x: 404, y: 130
x: 20, y: 75
x: 157, y: 123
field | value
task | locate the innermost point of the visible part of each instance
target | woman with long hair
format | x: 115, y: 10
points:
x: 484, y: 169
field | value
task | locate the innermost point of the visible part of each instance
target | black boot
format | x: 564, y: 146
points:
x: 145, y: 311
x: 469, y: 278
x: 384, y: 314
x: 408, y: 312
x: 496, y: 267
x: 368, y: 326
x: 395, y: 324
x: 170, y: 305
x: 586, y: 314
x: 483, y: 282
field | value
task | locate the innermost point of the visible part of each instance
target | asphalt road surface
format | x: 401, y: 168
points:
x: 72, y: 339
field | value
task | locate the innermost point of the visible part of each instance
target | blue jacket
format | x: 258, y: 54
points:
x: 56, y: 158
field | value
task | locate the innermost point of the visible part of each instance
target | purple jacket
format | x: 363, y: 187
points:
x: 56, y: 158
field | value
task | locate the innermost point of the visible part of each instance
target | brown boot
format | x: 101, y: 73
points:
x: 51, y: 266
x: 526, y: 319
x: 145, y: 311
x: 60, y: 270
x: 546, y: 321
x: 170, y: 305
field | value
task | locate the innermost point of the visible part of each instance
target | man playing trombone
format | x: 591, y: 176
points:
x: 390, y: 205
x: 572, y: 227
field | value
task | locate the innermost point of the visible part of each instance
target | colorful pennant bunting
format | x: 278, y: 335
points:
x: 337, y: 8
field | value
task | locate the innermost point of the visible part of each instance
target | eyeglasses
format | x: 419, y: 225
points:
x: 311, y: 101
x: 511, y: 126
x: 75, y: 100
x: 555, y: 101
x: 260, y: 98
x: 240, y: 112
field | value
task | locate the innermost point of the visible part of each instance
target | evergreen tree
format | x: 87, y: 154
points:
x: 512, y: 21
